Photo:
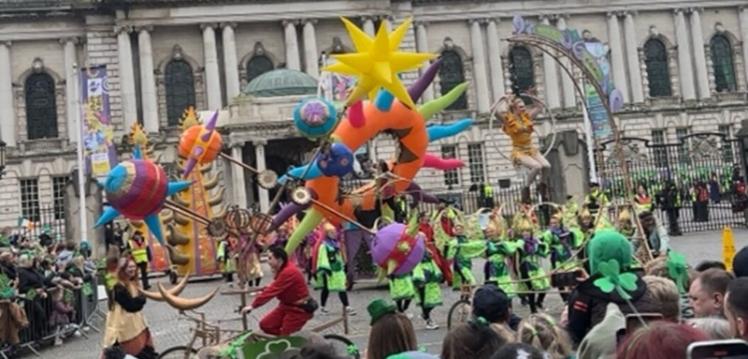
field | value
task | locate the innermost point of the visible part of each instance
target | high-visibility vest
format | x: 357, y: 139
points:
x: 110, y: 279
x: 487, y: 191
x: 138, y: 251
x: 643, y: 203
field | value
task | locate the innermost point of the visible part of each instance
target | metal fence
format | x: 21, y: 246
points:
x: 49, y: 219
x: 696, y: 162
x: 41, y: 331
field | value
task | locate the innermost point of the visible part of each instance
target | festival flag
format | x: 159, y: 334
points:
x: 98, y: 131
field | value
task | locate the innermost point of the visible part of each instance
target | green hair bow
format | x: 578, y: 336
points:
x: 612, y: 279
x: 677, y: 269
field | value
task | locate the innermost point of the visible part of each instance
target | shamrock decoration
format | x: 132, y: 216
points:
x: 6, y: 289
x: 31, y: 294
x: 613, y: 279
x: 352, y: 350
x: 677, y: 270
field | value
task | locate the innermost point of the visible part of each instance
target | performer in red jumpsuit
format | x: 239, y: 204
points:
x: 290, y: 288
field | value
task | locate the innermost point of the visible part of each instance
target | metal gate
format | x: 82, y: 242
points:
x: 696, y: 163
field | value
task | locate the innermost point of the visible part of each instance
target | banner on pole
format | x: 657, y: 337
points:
x: 601, y: 129
x: 97, y: 132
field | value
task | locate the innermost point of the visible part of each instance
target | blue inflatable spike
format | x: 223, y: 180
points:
x: 297, y: 172
x: 177, y: 186
x: 136, y: 154
x: 154, y: 225
x: 109, y: 214
x: 437, y: 132
x: 384, y: 100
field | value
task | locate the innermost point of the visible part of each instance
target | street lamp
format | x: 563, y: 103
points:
x: 3, y: 145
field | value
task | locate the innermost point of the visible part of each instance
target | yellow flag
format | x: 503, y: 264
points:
x: 728, y: 248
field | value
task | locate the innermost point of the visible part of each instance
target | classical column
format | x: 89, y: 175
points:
x: 632, y: 55
x: 480, y: 76
x: 744, y: 36
x: 423, y: 46
x: 237, y: 177
x: 230, y: 63
x: 260, y: 165
x: 369, y: 25
x: 212, y: 75
x: 7, y: 108
x: 616, y: 54
x: 71, y: 96
x: 494, y: 59
x: 684, y: 56
x: 126, y: 77
x: 702, y: 77
x: 550, y: 76
x: 147, y: 81
x: 567, y: 82
x: 292, y: 45
x: 311, y: 55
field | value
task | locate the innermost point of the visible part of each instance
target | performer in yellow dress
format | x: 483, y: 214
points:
x: 518, y: 125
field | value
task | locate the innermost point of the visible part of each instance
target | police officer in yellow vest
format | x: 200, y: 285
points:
x: 141, y: 255
x: 486, y: 193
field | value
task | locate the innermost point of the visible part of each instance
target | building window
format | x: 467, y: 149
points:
x: 660, y: 153
x: 724, y: 71
x: 451, y: 74
x: 258, y: 65
x: 727, y: 149
x: 30, y: 199
x: 475, y: 162
x: 451, y: 177
x: 58, y: 195
x: 41, y: 106
x: 658, y: 72
x: 684, y: 144
x: 521, y: 69
x: 180, y: 90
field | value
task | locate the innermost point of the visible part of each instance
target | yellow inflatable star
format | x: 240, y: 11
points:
x: 377, y: 62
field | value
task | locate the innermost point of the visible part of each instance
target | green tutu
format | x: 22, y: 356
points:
x: 402, y: 288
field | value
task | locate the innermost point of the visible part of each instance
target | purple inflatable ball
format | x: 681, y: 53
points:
x: 391, y: 238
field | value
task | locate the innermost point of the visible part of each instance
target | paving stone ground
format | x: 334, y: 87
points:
x: 169, y: 330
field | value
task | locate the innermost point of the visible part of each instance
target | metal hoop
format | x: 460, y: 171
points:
x: 492, y: 113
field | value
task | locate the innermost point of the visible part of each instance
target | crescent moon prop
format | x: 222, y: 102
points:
x: 184, y: 304
x: 175, y: 291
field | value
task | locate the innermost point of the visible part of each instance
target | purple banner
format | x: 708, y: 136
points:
x: 98, y: 131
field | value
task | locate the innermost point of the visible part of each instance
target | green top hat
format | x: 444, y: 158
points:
x: 379, y: 308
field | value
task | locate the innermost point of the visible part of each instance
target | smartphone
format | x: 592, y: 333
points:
x: 634, y: 321
x: 718, y: 349
x: 565, y: 279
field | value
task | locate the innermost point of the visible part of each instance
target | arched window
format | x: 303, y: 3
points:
x: 41, y: 106
x: 180, y: 90
x: 658, y: 72
x: 258, y: 65
x: 451, y: 74
x: 724, y: 71
x: 522, y: 73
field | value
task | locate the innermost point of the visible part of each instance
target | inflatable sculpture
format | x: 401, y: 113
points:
x: 159, y: 255
x: 193, y: 250
x: 392, y: 111
x: 137, y: 189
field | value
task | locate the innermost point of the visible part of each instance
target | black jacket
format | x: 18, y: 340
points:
x: 587, y: 305
x: 30, y: 279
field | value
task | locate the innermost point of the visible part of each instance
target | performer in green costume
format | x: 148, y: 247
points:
x: 330, y: 270
x: 427, y: 277
x: 531, y: 270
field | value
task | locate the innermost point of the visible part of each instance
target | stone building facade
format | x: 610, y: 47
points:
x: 682, y: 67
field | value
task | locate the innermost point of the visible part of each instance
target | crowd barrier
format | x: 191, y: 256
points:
x: 41, y: 332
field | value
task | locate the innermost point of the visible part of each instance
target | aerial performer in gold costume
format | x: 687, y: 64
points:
x: 518, y: 122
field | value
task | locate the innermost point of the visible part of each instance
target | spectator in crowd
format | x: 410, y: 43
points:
x: 602, y: 340
x: 519, y: 351
x: 541, y: 331
x: 474, y: 339
x: 7, y: 264
x: 669, y: 199
x: 391, y: 332
x: 714, y: 191
x: 708, y: 264
x: 491, y: 303
x: 715, y: 328
x: 707, y: 292
x: 736, y: 308
x: 659, y: 267
x: 660, y: 340
x: 662, y: 293
x: 740, y: 263
x: 588, y: 303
